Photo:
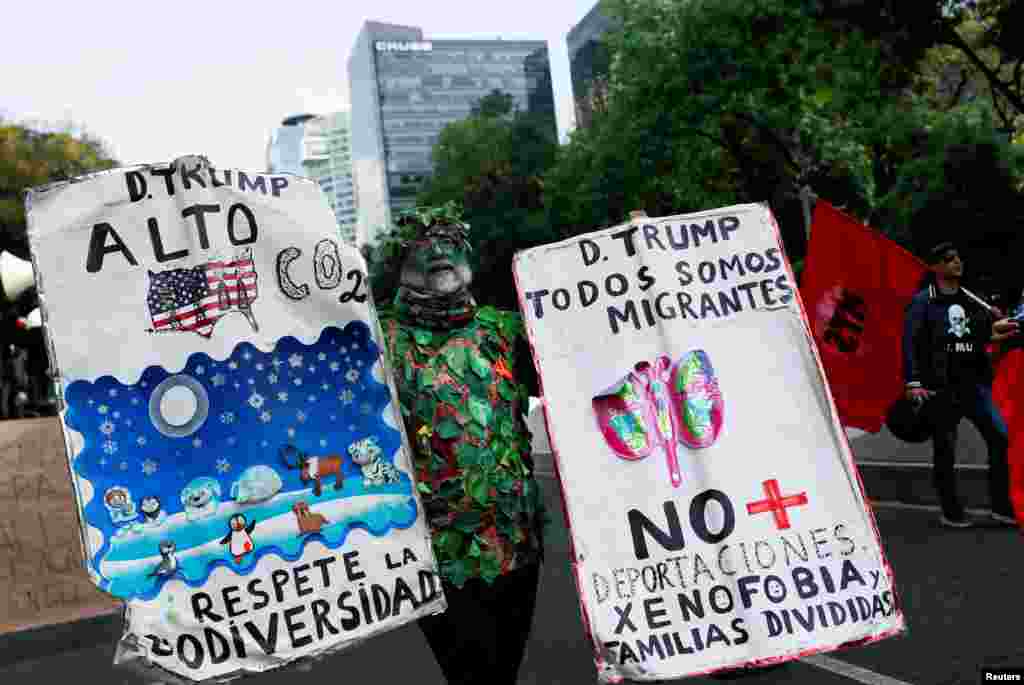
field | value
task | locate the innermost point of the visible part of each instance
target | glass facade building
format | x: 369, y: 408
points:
x: 589, y: 62
x: 319, y: 147
x: 406, y: 88
x: 284, y: 149
x: 327, y: 157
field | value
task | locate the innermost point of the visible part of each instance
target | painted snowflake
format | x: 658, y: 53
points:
x: 200, y: 370
x: 295, y: 361
x: 266, y: 416
x: 352, y: 375
x: 197, y: 443
x: 276, y: 363
x: 282, y: 397
x: 103, y: 409
x: 227, y: 417
x: 247, y: 356
x: 256, y: 400
x: 259, y: 367
x: 272, y: 378
x: 233, y: 366
x: 300, y: 416
x: 110, y: 447
x: 335, y: 366
x: 223, y: 465
x: 113, y: 392
x: 140, y: 441
x: 149, y: 467
x: 298, y: 381
x: 321, y: 356
x: 346, y: 396
x: 107, y: 427
x: 219, y: 380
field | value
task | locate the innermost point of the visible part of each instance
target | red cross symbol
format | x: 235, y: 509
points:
x: 776, y: 503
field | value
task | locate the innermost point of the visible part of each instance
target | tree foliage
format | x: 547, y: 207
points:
x: 978, y: 40
x: 491, y: 164
x: 30, y: 158
x: 723, y: 101
x: 715, y: 102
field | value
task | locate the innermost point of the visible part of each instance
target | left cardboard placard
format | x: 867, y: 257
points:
x: 42, y: 581
x: 241, y: 476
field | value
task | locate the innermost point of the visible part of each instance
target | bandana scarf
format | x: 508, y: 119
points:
x: 432, y: 311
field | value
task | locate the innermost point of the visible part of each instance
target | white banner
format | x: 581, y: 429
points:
x: 717, y: 518
x: 233, y: 438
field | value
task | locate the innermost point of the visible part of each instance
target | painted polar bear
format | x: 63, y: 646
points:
x: 201, y: 497
x: 376, y: 472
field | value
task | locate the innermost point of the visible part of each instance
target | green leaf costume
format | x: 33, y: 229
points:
x: 464, y: 414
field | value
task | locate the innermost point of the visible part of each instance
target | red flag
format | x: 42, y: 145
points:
x: 1006, y: 394
x: 856, y: 286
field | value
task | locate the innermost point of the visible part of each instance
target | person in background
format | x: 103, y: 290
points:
x: 948, y: 372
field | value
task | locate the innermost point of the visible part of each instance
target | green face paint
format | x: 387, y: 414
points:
x: 438, y: 264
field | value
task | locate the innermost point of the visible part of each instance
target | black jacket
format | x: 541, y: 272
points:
x: 925, y: 360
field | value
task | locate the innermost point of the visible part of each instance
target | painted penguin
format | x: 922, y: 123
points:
x: 239, y: 538
x: 151, y: 511
x: 168, y: 562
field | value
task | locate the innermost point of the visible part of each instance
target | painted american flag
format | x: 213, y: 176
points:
x: 194, y: 299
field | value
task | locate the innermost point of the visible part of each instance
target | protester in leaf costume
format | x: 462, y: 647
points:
x: 464, y: 375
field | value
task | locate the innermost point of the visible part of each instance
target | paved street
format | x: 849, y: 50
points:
x: 960, y: 591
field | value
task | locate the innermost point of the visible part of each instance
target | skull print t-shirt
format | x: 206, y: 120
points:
x: 965, y: 332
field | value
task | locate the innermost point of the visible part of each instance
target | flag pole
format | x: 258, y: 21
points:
x: 806, y: 195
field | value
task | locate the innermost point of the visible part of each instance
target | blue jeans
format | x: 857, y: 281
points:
x: 975, y: 404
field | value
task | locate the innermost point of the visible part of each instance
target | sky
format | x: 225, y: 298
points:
x: 155, y: 81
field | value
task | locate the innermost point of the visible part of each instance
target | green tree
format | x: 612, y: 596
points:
x: 491, y: 164
x: 724, y: 101
x: 715, y: 102
x: 977, y: 42
x: 30, y: 158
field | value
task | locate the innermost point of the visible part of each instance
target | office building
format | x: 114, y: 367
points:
x: 406, y: 88
x: 319, y: 147
x: 589, y: 61
x: 284, y: 149
x: 327, y: 157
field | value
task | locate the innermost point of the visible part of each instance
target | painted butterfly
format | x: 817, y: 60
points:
x: 661, y: 405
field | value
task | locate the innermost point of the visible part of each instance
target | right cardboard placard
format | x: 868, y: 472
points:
x: 716, y: 515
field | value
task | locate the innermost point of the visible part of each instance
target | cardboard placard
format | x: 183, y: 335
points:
x: 234, y: 439
x: 42, y: 576
x: 716, y: 515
